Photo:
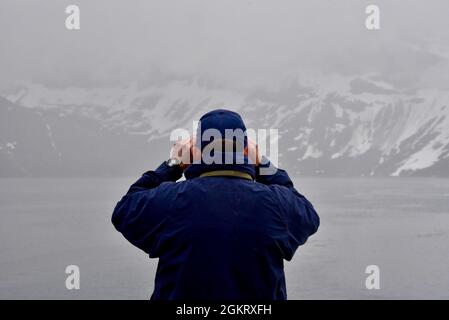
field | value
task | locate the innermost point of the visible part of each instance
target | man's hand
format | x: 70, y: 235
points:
x: 252, y: 152
x: 183, y: 150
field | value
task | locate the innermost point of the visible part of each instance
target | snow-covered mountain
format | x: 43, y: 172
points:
x: 350, y: 126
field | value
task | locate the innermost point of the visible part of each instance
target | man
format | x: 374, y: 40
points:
x: 223, y: 233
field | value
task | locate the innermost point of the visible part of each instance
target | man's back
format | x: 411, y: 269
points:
x: 222, y: 240
x: 218, y: 237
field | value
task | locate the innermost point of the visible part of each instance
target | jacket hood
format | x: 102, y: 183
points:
x: 215, y: 124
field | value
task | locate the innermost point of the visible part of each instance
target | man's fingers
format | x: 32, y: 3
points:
x: 252, y: 152
x: 182, y: 150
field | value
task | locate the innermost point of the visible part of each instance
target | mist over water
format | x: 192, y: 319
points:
x: 52, y: 223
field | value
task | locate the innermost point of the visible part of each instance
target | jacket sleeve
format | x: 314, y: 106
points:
x: 299, y: 218
x: 139, y: 215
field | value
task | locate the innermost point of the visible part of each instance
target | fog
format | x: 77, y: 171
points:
x: 236, y: 43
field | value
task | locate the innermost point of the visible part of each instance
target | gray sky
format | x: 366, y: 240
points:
x: 236, y: 42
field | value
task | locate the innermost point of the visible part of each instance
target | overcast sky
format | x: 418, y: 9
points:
x: 236, y: 42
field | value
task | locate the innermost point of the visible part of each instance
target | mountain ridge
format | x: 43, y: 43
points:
x: 342, y: 126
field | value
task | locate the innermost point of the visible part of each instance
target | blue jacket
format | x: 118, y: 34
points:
x: 217, y: 238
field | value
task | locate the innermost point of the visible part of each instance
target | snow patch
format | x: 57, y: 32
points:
x: 312, y: 152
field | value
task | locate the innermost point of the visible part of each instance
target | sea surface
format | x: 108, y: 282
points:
x: 400, y: 225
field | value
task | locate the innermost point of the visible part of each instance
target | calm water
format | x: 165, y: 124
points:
x: 401, y: 225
